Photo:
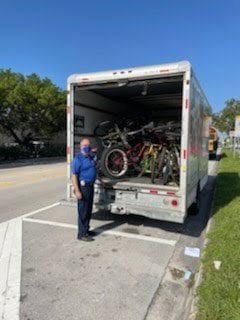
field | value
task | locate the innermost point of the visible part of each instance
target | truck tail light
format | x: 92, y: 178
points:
x: 184, y: 154
x: 174, y: 203
x: 153, y: 191
x: 68, y: 109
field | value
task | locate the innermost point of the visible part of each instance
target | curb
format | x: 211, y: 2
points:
x: 199, y: 274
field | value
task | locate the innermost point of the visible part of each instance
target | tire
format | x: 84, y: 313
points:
x: 103, y: 128
x: 153, y: 170
x: 195, y: 206
x: 165, y: 174
x: 110, y: 169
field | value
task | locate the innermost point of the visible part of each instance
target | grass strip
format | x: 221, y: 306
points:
x: 219, y: 292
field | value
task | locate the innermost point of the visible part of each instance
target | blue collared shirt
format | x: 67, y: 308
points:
x: 85, y: 167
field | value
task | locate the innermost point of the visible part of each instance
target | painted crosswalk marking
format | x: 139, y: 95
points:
x: 10, y: 266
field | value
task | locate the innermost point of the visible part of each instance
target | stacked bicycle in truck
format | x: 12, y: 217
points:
x: 132, y: 148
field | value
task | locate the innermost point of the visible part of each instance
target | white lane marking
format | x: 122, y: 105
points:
x: 3, y: 231
x: 25, y: 215
x: 109, y: 232
x: 4, y: 264
x: 40, y: 210
x: 51, y: 223
x: 10, y: 266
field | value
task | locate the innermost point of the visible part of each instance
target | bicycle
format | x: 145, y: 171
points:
x: 116, y: 161
x: 148, y: 150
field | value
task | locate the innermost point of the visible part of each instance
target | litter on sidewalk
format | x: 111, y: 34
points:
x: 192, y: 252
x: 187, y: 275
x: 217, y: 264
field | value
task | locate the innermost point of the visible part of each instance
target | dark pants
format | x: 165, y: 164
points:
x: 85, y: 209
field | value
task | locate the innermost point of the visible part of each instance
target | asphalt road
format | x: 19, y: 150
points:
x: 27, y: 188
x: 135, y: 269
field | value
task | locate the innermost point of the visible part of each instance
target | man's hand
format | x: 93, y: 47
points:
x: 76, y: 187
x: 78, y: 195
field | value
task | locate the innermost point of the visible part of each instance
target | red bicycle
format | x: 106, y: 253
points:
x: 116, y: 161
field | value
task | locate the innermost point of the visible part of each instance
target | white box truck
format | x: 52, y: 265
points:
x: 173, y: 94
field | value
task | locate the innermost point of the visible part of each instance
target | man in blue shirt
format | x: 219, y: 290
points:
x: 83, y: 178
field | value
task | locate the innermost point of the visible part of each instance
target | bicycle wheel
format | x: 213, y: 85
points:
x: 103, y: 129
x: 157, y: 164
x: 114, y: 162
x: 161, y: 158
x: 166, y: 173
x: 154, y: 170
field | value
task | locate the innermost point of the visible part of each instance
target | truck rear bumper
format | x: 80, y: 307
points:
x: 160, y: 204
x: 150, y: 212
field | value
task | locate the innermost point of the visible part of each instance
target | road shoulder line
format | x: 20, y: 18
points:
x: 107, y: 232
x: 10, y: 265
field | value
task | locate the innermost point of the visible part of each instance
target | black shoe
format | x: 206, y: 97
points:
x: 85, y: 238
x: 92, y: 233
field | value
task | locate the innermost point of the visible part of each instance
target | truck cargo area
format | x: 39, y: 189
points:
x: 157, y: 99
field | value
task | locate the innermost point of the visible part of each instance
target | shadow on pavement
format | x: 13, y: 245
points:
x: 193, y: 225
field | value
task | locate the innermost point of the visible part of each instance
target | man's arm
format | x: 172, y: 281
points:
x: 76, y: 186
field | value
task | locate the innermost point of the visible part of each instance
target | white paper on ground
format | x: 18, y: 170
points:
x: 217, y: 264
x: 192, y: 252
x: 187, y: 275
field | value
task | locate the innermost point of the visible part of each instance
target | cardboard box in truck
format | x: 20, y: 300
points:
x: 173, y: 94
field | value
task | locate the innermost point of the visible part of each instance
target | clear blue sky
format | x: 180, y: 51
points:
x: 58, y: 38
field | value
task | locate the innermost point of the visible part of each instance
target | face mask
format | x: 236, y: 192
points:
x: 86, y: 149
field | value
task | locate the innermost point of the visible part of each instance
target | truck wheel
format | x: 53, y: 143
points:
x: 195, y: 206
x: 114, y: 162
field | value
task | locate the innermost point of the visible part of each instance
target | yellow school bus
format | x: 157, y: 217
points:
x: 213, y: 142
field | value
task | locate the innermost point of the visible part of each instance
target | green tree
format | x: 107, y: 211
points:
x: 30, y: 107
x: 225, y: 119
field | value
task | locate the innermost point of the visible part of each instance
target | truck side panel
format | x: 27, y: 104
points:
x: 198, y: 143
x: 184, y: 140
